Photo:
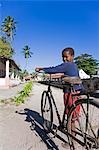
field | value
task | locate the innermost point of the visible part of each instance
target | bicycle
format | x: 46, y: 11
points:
x: 86, y: 130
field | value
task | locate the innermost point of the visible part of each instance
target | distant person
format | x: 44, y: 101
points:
x: 68, y: 68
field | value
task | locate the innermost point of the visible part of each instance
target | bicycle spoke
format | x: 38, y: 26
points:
x: 46, y: 109
x: 87, y: 135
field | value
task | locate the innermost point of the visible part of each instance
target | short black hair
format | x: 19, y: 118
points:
x: 68, y: 49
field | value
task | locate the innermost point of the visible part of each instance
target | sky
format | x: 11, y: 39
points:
x: 48, y: 27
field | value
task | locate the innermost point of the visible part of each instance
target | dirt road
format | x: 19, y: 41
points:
x: 15, y: 124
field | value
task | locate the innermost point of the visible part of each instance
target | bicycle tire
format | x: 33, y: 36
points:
x: 89, y: 138
x: 46, y: 111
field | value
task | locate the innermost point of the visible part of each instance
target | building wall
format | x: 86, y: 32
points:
x: 5, y: 81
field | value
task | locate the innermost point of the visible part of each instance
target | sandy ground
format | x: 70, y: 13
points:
x: 11, y: 92
x: 16, y: 121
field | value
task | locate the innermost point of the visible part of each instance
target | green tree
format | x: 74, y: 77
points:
x: 23, y: 73
x: 87, y: 63
x: 4, y: 40
x: 27, y: 53
x: 9, y: 27
x: 5, y: 48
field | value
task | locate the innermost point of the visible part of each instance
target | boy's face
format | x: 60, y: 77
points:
x: 67, y: 57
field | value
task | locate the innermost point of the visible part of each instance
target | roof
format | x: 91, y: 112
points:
x: 83, y: 75
x: 12, y: 61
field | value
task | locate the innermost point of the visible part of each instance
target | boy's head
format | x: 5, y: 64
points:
x: 68, y: 54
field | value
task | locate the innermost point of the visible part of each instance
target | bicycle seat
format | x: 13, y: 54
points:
x: 72, y: 80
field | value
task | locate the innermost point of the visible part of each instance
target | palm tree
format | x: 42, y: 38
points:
x: 27, y: 53
x: 3, y: 39
x: 9, y: 27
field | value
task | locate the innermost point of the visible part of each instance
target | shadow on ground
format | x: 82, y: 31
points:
x: 37, y: 125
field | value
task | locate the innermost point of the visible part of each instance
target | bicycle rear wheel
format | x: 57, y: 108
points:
x: 46, y: 111
x: 85, y: 134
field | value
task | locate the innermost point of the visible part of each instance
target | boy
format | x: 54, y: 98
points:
x: 68, y: 68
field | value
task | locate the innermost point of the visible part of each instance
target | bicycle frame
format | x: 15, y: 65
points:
x: 61, y: 121
x: 63, y: 128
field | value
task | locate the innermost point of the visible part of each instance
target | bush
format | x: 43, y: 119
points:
x: 22, y: 95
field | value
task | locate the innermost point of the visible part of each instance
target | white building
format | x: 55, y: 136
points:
x: 6, y: 79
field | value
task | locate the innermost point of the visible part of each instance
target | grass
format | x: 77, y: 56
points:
x: 21, y: 96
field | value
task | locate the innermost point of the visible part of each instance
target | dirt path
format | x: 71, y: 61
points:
x: 15, y: 124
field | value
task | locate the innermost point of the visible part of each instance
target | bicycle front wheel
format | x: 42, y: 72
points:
x: 46, y: 111
x: 84, y: 128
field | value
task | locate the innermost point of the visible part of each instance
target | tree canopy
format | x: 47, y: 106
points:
x: 27, y: 53
x: 5, y: 48
x: 87, y: 63
x: 9, y: 27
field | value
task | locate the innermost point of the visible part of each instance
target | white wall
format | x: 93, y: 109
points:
x: 2, y: 81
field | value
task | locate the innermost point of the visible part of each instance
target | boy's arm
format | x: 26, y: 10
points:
x: 57, y: 69
x: 52, y: 70
x: 55, y: 75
